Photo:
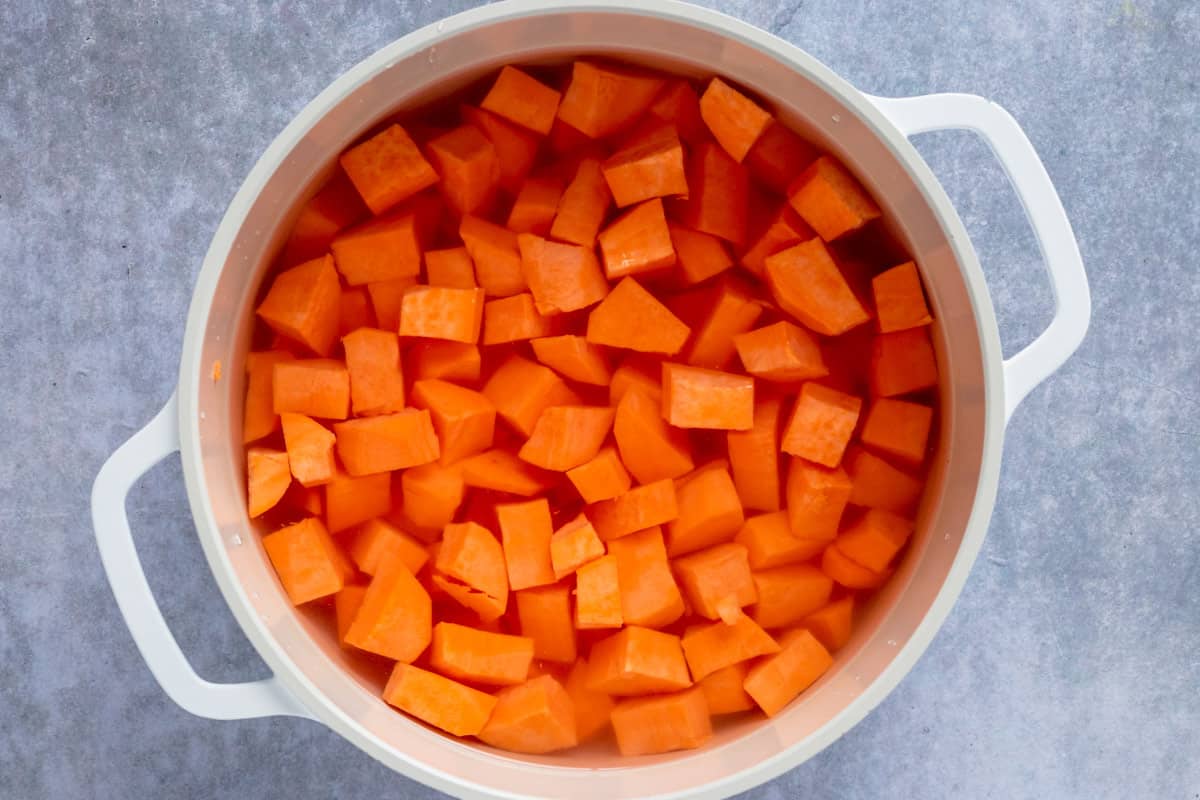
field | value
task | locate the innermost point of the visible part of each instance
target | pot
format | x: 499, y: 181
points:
x: 313, y: 676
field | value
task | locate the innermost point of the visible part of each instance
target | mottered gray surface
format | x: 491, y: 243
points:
x: 1070, y: 667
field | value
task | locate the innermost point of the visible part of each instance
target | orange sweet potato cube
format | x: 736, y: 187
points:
x: 874, y: 538
x: 788, y: 593
x: 310, y: 449
x: 662, y: 722
x: 832, y: 623
x: 638, y: 660
x: 469, y: 168
x: 777, y: 680
x: 649, y: 167
x: 470, y: 567
x: 345, y: 605
x: 717, y: 581
x: 382, y: 249
x: 718, y: 200
x: 649, y: 594
x: 632, y: 318
x: 581, y: 209
x: 259, y: 418
x: 698, y: 255
x: 355, y: 310
x: 561, y: 277
x: 334, y: 207
x: 438, y: 312
x: 602, y: 478
x: 267, y: 477
x: 501, y: 471
x: 649, y: 449
x: 849, y: 573
x: 513, y: 319
x: 315, y: 387
x: 902, y: 362
x: 723, y: 690
x: 754, y: 457
x: 781, y: 352
x: 899, y: 300
x: 479, y: 656
x: 452, y: 706
x: 710, y: 511
x: 779, y: 155
x: 351, y: 501
x: 807, y: 283
x: 519, y: 97
x: 679, y: 105
x: 565, y: 437
x: 703, y: 398
x: 378, y: 540
x: 603, y: 98
x: 521, y: 390
x: 637, y: 241
x: 451, y: 267
x: 574, y: 357
x: 387, y: 169
x: 396, y: 615
x: 769, y: 541
x: 432, y: 494
x: 731, y: 311
x: 735, y: 120
x: 387, y: 298
x: 641, y: 372
x: 637, y: 509
x: 536, y: 205
x: 573, y: 545
x: 525, y: 531
x: 307, y: 561
x: 496, y: 255
x: 465, y: 420
x: 713, y: 647
x: 598, y: 595
x: 779, y: 232
x: 898, y: 428
x: 878, y: 484
x: 304, y: 304
x: 376, y: 375
x: 830, y: 199
x: 545, y: 616
x: 516, y: 148
x: 816, y: 498
x: 449, y: 361
x: 387, y: 442
x: 821, y: 424
x: 537, y: 716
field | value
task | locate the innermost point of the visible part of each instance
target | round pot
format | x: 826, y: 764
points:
x: 313, y: 676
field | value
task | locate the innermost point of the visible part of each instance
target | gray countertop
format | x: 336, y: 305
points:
x: 1070, y: 667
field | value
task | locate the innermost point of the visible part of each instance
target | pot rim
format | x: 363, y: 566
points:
x: 192, y: 371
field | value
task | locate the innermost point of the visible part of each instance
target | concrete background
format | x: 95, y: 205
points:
x: 1069, y: 668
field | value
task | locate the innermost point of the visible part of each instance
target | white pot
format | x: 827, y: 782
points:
x: 313, y: 676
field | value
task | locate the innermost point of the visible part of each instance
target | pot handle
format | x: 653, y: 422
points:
x: 1051, y: 228
x: 132, y: 460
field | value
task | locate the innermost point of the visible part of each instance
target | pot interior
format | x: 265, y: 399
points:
x: 410, y: 74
